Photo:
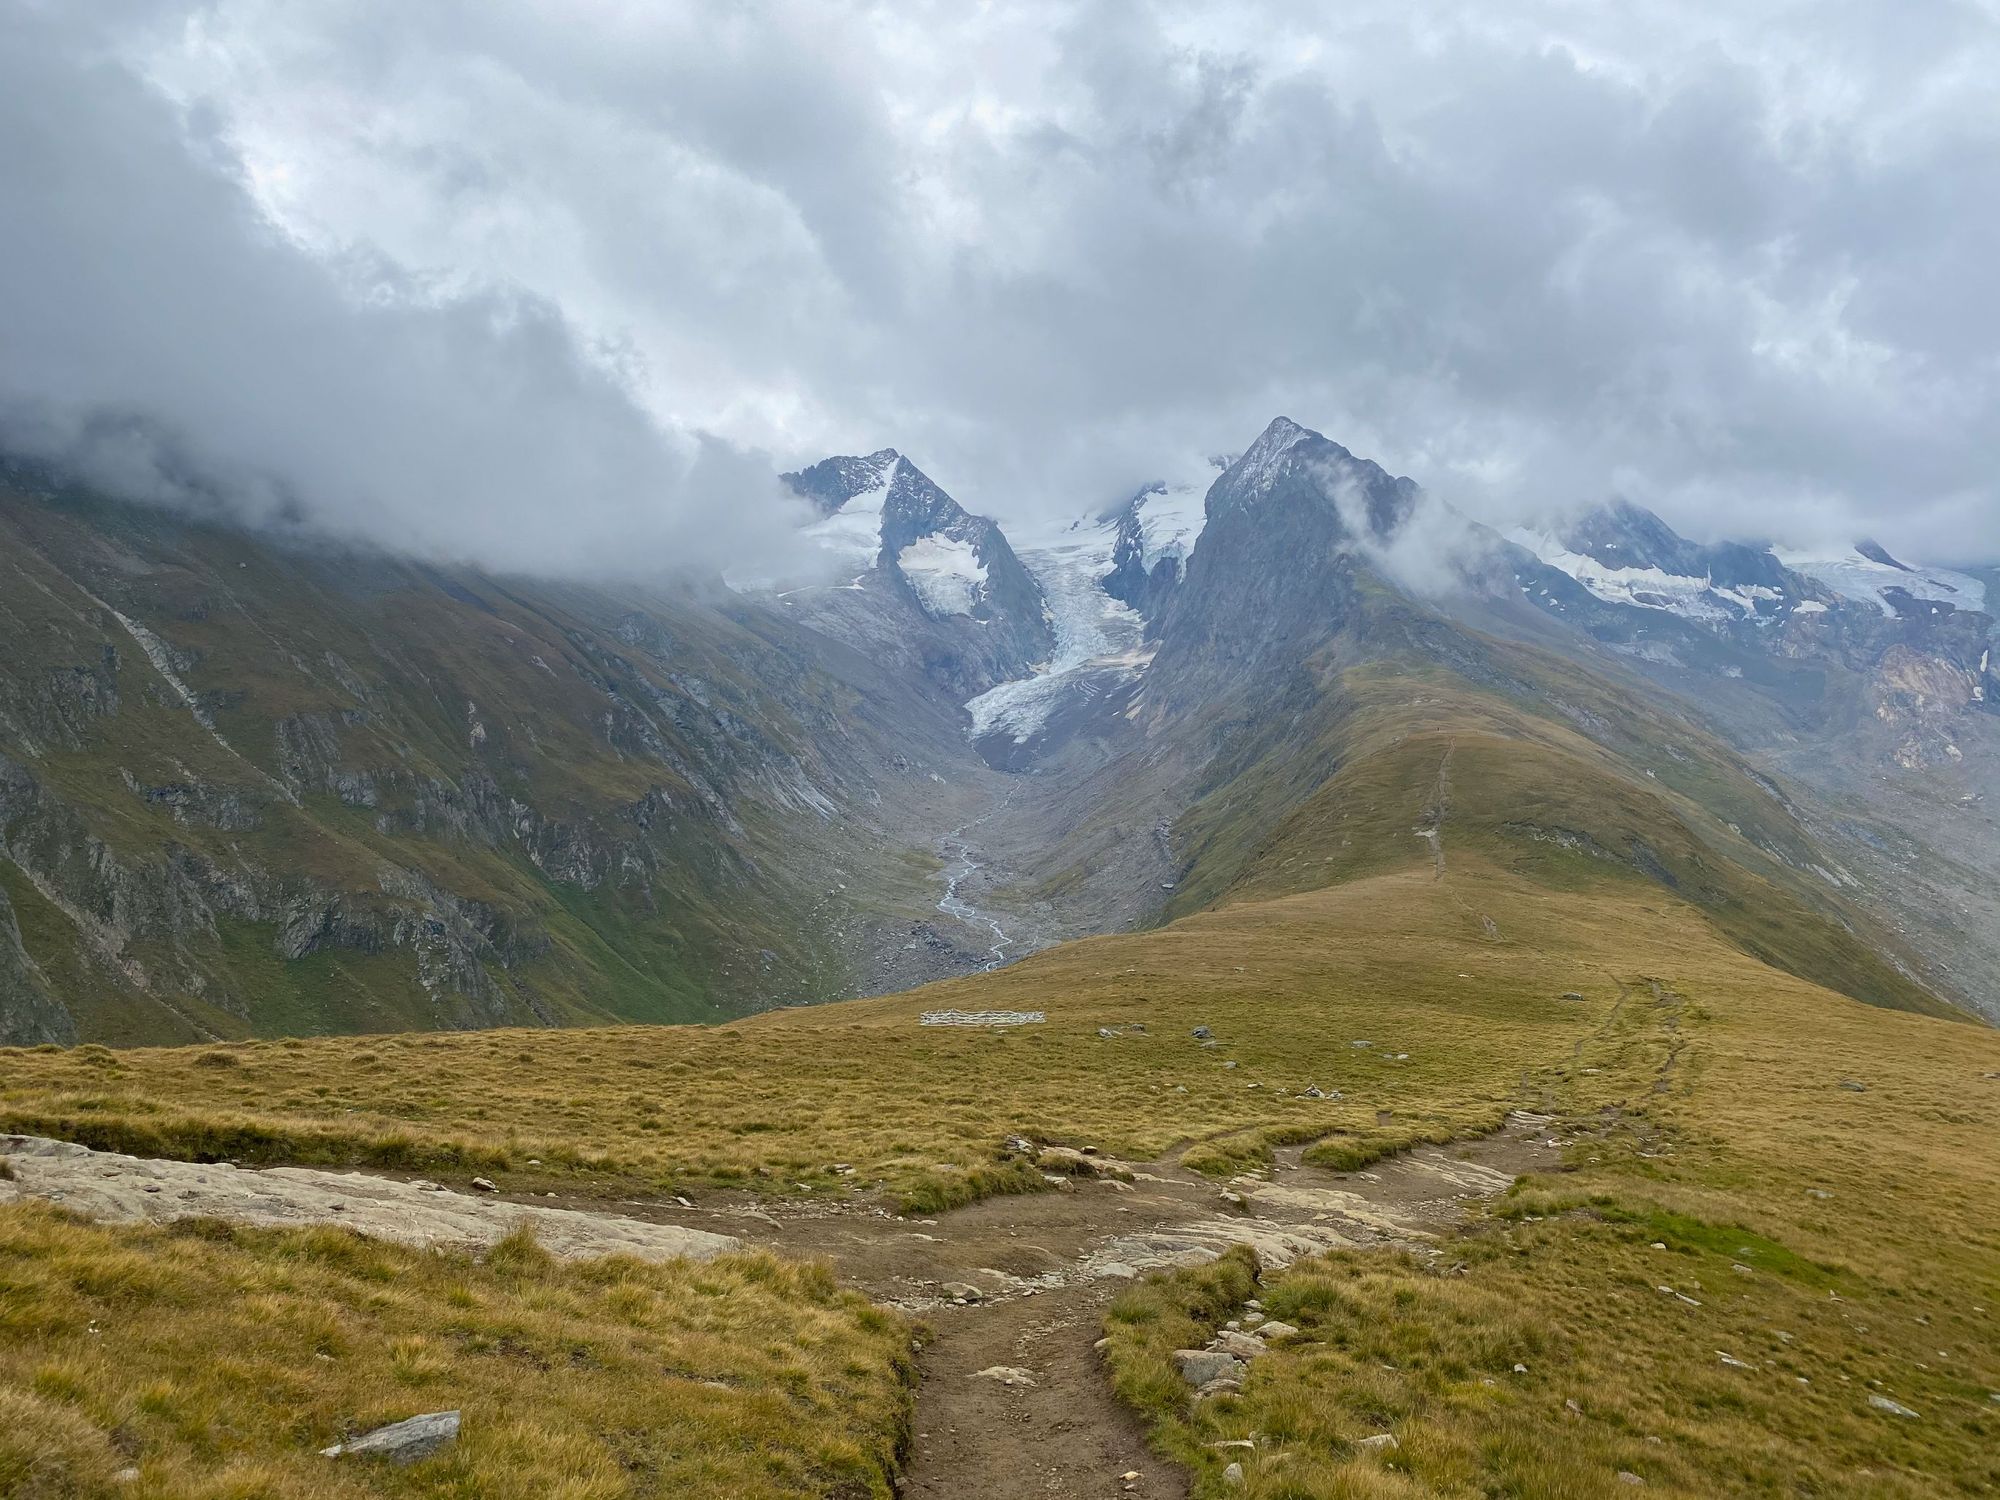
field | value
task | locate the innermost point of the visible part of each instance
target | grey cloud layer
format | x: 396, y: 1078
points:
x: 166, y: 340
x: 1730, y: 261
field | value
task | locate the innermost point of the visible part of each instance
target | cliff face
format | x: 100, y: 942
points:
x: 245, y: 789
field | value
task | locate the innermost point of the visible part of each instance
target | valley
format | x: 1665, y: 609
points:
x: 1553, y: 998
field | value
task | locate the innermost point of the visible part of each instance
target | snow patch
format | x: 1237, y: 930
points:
x: 1645, y: 588
x: 853, y: 534
x: 946, y: 573
x: 1853, y: 576
x: 1171, y: 519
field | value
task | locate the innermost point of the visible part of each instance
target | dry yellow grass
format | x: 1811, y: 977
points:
x: 1714, y: 1113
x: 1468, y: 989
x: 1836, y: 1243
x: 218, y: 1362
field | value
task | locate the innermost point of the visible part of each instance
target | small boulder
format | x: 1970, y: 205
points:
x: 1626, y: 1476
x: 402, y: 1442
x: 1381, y: 1442
x: 484, y: 1186
x: 1200, y: 1366
x: 1853, y: 1086
x: 1893, y: 1408
x: 1275, y: 1329
x: 1006, y: 1375
x: 963, y: 1291
x: 1242, y: 1345
x: 1232, y: 1474
x: 1201, y: 1033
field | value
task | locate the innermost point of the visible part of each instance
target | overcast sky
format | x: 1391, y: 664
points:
x: 561, y: 285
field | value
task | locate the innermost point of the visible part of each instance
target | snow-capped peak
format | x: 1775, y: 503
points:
x: 1261, y: 463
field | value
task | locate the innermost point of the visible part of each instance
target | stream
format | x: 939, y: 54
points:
x: 957, y: 849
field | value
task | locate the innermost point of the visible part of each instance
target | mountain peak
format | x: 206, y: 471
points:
x: 1280, y: 435
x: 1264, y: 460
x: 832, y: 482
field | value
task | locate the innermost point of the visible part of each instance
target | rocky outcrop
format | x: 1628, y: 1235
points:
x: 119, y: 1189
x: 30, y: 1013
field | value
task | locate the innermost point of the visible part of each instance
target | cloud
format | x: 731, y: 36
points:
x: 168, y: 341
x: 1730, y: 261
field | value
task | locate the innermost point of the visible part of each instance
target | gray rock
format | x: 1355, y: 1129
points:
x: 484, y: 1186
x: 1232, y: 1474
x: 963, y: 1291
x: 1201, y: 1033
x: 1245, y: 1347
x: 1006, y: 1375
x: 1242, y: 1345
x: 402, y: 1442
x: 1893, y: 1408
x: 1572, y: 995
x: 1381, y: 1442
x: 1276, y: 1329
x: 1200, y: 1366
x: 1626, y: 1476
x: 1853, y: 1087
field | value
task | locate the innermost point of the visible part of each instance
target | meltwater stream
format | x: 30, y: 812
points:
x: 957, y: 848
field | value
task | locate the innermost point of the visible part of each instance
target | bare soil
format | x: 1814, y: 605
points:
x: 1015, y: 1283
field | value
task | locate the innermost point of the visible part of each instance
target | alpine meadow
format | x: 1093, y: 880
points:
x: 573, y: 925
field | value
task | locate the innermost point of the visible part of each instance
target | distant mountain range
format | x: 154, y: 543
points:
x: 248, y: 788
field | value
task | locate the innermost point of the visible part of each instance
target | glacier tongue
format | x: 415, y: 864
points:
x: 1856, y: 577
x: 1097, y: 637
x: 1644, y: 588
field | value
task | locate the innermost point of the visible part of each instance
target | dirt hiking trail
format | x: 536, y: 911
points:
x: 1011, y: 1292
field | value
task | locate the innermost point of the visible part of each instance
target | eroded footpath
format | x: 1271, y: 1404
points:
x: 1010, y: 1293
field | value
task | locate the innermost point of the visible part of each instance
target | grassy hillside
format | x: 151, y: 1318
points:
x: 251, y: 791
x: 218, y: 1361
x: 1707, y: 1090
x: 1286, y: 986
x: 1779, y: 1208
x: 1457, y: 745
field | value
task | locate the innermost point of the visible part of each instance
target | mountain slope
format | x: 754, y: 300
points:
x: 245, y: 789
